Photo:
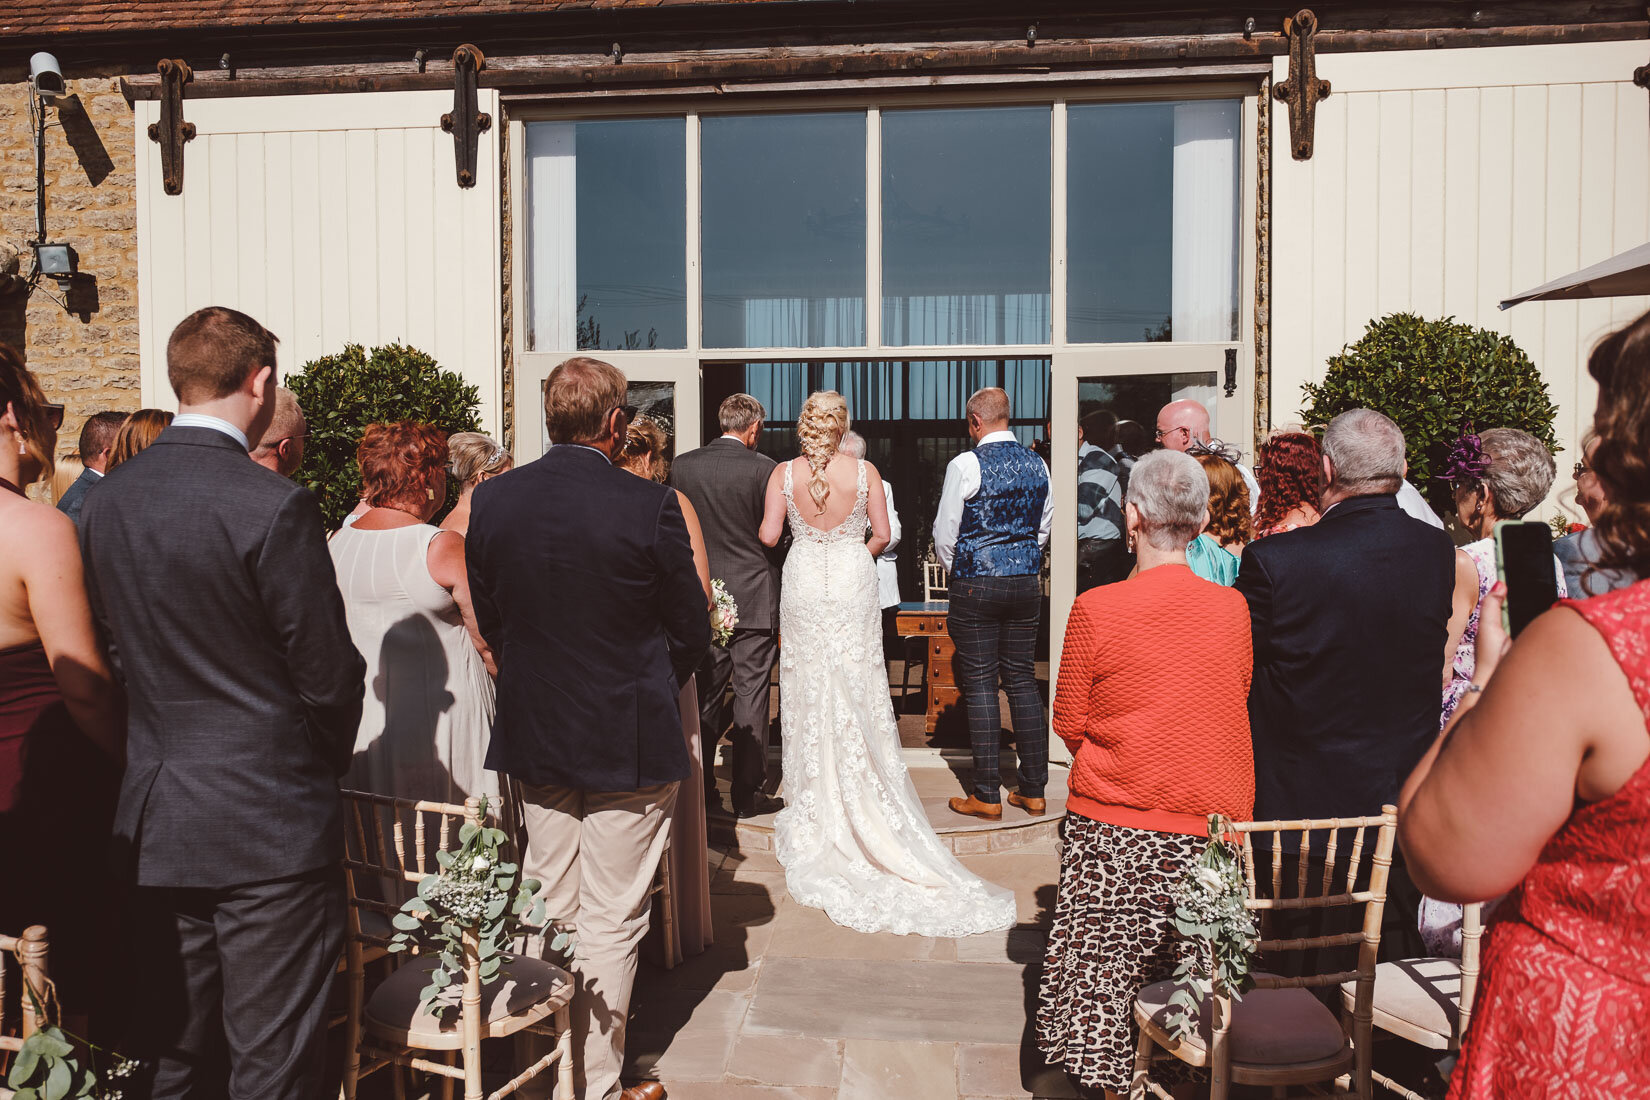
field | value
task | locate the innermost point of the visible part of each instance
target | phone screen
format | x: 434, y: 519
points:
x: 1524, y: 560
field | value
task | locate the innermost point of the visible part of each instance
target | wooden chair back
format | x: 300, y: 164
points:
x: 389, y: 847
x: 29, y: 953
x: 1357, y: 859
x: 934, y: 583
x: 1472, y: 930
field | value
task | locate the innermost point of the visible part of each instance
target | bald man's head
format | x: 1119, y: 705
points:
x: 282, y: 447
x: 988, y: 412
x: 1182, y: 423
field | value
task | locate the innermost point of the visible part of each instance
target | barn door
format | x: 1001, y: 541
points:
x: 332, y: 219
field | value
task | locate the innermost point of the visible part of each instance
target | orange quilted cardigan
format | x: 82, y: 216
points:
x: 1152, y: 700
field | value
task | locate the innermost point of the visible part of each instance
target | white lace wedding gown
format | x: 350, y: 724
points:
x: 853, y: 837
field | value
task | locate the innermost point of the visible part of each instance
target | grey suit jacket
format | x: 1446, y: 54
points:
x: 210, y: 579
x: 74, y: 497
x: 727, y: 484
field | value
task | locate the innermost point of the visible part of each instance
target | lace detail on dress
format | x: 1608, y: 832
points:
x: 853, y: 837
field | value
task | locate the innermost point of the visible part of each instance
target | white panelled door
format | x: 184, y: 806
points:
x: 332, y: 219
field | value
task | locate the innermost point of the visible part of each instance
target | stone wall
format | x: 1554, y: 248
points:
x: 80, y: 338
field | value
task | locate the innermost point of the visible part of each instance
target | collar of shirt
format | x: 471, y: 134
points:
x: 201, y: 420
x: 997, y: 437
x: 586, y: 447
x: 1084, y: 448
x: 94, y: 473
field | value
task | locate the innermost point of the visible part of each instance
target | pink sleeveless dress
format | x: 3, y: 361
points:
x: 1565, y: 993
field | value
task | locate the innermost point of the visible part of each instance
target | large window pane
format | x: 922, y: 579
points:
x: 783, y: 230
x: 1152, y: 221
x: 607, y: 249
x: 965, y: 226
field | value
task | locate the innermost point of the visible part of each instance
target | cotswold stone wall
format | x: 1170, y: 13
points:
x: 80, y: 338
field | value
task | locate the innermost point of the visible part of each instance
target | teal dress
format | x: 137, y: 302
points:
x: 1212, y: 561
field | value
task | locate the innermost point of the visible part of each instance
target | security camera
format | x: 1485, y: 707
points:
x: 46, y: 77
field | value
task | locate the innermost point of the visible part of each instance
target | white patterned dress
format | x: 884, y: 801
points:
x: 853, y: 837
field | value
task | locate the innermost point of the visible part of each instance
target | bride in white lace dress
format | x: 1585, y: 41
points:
x: 852, y: 837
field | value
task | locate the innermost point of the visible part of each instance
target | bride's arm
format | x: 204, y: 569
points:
x: 876, y: 505
x: 773, y: 508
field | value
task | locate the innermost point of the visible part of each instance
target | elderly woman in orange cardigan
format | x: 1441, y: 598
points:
x: 1152, y: 701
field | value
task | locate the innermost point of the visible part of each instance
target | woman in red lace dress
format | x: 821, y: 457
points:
x: 1541, y: 786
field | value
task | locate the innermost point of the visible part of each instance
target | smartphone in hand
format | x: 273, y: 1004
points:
x: 1524, y: 563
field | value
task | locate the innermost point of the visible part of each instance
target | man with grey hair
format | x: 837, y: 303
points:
x: 282, y: 447
x: 990, y: 529
x: 1350, y: 620
x: 727, y: 482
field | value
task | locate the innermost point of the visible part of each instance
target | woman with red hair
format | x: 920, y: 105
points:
x: 1289, y: 468
x: 429, y: 704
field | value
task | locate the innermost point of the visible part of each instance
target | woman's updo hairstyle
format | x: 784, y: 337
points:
x: 400, y: 464
x: 1521, y: 470
x: 19, y: 389
x: 475, y: 457
x: 1621, y: 366
x: 643, y: 439
x: 819, y: 432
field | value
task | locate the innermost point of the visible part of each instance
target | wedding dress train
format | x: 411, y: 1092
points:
x: 853, y: 838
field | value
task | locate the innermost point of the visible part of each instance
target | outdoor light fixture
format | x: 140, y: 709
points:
x: 46, y: 77
x: 56, y: 260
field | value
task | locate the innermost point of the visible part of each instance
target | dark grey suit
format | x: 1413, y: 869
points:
x: 74, y: 497
x: 210, y: 578
x: 727, y: 484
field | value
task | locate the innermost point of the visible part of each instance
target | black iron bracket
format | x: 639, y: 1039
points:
x: 1231, y: 371
x: 466, y: 122
x: 1303, y: 89
x: 172, y: 131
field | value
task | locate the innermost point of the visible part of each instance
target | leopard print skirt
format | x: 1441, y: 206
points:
x: 1111, y: 937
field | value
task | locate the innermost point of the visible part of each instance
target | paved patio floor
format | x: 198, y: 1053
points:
x: 789, y: 1005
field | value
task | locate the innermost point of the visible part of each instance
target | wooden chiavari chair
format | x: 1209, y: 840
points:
x: 391, y: 846
x: 1279, y: 1034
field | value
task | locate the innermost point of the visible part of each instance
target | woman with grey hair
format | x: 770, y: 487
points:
x: 1159, y: 738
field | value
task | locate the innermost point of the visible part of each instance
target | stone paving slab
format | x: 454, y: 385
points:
x: 876, y: 1069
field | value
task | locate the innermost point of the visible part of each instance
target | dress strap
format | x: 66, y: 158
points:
x: 788, y: 465
x: 864, y: 484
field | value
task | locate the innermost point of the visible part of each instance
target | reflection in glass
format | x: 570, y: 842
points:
x: 910, y: 413
x: 783, y: 230
x: 1152, y: 221
x: 965, y: 226
x: 607, y: 239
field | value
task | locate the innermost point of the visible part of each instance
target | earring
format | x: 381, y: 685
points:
x: 430, y: 492
x: 22, y: 446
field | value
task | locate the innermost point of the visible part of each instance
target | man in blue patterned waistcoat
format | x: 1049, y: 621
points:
x: 990, y: 530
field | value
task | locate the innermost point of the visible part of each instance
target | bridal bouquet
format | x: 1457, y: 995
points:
x: 724, y: 614
x: 1209, y: 911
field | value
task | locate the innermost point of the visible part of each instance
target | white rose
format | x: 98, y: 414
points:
x: 1210, y: 879
x: 480, y: 864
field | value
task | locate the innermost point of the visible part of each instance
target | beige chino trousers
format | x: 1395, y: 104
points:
x: 595, y: 854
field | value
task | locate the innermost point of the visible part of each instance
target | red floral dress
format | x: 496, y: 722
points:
x: 1564, y: 1001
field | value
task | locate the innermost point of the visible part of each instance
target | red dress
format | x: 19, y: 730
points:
x: 1564, y: 1001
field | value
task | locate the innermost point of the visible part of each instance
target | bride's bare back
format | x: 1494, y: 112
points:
x: 842, y: 475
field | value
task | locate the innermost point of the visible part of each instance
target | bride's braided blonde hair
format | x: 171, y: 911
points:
x: 819, y: 430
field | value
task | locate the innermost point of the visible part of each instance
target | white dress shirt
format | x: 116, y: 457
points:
x: 962, y: 481
x: 887, y: 576
x: 201, y: 420
x: 1413, y: 504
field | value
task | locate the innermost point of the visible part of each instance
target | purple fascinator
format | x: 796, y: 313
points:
x: 1467, y: 462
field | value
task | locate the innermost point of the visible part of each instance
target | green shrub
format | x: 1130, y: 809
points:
x: 1433, y: 378
x: 342, y: 394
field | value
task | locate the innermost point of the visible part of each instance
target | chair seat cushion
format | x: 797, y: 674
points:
x: 1415, y: 999
x: 1270, y: 1027
x: 393, y: 1008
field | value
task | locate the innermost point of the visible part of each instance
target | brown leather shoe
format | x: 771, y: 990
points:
x: 646, y: 1090
x: 973, y: 807
x: 1036, y: 807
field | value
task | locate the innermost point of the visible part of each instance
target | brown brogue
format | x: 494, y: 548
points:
x: 1036, y: 807
x: 973, y: 807
x: 646, y: 1090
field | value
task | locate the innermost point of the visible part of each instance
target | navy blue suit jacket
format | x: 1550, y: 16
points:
x: 584, y: 587
x: 1349, y: 619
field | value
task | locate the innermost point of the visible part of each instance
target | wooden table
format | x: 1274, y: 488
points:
x: 927, y: 620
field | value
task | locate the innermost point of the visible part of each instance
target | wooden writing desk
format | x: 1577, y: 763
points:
x: 927, y: 620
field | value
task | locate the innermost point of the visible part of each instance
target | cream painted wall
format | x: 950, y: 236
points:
x: 1444, y: 181
x: 332, y: 219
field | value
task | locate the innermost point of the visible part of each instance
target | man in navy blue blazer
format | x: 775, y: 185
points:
x: 584, y: 587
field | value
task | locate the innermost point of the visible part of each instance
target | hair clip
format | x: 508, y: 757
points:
x: 1467, y: 463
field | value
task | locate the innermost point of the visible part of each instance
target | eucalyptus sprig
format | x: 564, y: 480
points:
x: 1209, y: 911
x: 58, y: 1065
x: 475, y: 891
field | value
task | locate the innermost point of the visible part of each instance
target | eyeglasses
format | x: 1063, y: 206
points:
x: 54, y: 416
x: 1160, y: 435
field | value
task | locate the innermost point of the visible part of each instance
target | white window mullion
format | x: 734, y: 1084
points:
x: 873, y: 229
x: 1057, y: 229
x: 694, y: 269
